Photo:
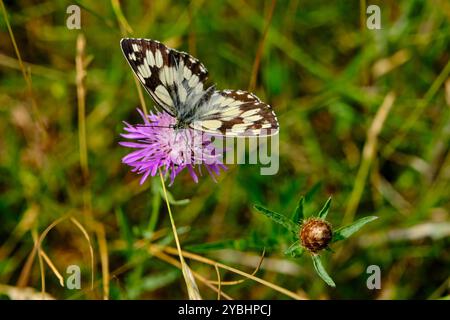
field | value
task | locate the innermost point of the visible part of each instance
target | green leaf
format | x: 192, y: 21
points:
x: 158, y: 280
x: 298, y: 215
x: 295, y: 250
x: 324, y: 211
x: 125, y: 230
x: 321, y: 271
x: 172, y: 200
x: 310, y: 194
x: 159, y: 189
x: 345, y: 232
x: 278, y: 218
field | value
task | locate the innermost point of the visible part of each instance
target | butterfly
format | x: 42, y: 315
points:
x: 177, y: 83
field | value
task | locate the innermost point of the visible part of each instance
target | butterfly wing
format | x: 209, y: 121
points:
x: 176, y: 82
x: 174, y: 79
x: 236, y: 113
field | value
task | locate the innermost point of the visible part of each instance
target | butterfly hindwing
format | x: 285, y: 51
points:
x: 236, y: 112
x: 174, y: 79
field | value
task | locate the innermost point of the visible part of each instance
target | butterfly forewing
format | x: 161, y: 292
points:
x: 173, y: 79
x: 236, y: 113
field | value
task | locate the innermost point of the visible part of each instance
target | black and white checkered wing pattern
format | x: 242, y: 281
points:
x: 176, y: 82
x: 174, y: 79
x: 236, y: 113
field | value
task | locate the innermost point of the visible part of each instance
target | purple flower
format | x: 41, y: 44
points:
x: 159, y: 145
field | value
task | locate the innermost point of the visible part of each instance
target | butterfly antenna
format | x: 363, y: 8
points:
x: 186, y: 139
x: 154, y: 126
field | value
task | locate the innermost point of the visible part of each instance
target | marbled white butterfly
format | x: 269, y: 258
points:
x: 176, y: 82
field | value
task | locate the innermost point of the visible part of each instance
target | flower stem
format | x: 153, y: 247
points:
x: 188, y: 278
x: 172, y: 222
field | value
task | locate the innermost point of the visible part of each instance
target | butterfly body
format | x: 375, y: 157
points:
x: 177, y: 83
x: 181, y: 125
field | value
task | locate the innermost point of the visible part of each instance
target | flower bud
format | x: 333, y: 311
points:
x: 315, y: 234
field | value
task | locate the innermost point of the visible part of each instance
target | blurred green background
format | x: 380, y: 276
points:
x: 326, y: 76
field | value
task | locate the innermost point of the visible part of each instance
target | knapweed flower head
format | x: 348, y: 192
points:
x: 313, y: 234
x: 158, y: 145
